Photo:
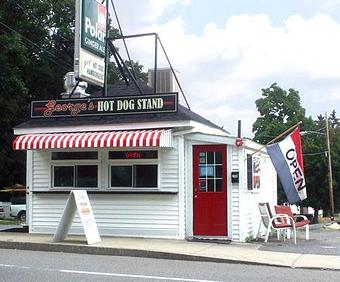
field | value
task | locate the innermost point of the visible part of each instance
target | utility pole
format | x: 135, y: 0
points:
x: 330, y: 177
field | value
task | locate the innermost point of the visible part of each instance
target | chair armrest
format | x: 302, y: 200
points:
x: 288, y: 218
x: 300, y: 215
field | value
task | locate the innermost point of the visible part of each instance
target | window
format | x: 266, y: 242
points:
x: 86, y: 175
x: 133, y: 169
x: 210, y: 171
x: 74, y: 169
x: 138, y: 176
x: 121, y: 176
x: 63, y: 176
x: 253, y: 172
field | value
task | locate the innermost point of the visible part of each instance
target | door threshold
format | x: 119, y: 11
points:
x: 210, y: 239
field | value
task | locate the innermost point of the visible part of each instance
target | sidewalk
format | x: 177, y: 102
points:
x: 249, y: 253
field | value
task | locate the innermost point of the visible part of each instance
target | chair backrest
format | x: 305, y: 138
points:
x: 266, y: 214
x: 284, y: 210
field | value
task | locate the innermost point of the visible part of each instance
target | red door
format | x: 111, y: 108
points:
x: 210, y: 190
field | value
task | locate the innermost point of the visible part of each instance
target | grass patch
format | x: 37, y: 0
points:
x: 10, y: 221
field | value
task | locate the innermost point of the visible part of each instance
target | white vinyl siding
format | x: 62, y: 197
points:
x: 250, y: 199
x: 169, y: 168
x: 163, y: 215
x: 235, y: 194
x: 41, y: 170
x: 148, y: 215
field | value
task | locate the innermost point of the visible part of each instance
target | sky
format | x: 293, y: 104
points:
x: 225, y: 52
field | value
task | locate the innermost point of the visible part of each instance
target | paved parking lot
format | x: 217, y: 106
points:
x: 322, y: 242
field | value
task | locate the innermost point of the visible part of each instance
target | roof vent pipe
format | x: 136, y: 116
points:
x: 239, y: 129
x: 239, y: 140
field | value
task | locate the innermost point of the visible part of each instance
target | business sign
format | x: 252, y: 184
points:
x: 93, y: 27
x: 91, y: 68
x: 89, y: 58
x: 133, y: 155
x: 159, y: 103
x: 78, y: 200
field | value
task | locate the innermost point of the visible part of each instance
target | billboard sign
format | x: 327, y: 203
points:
x: 89, y: 59
x: 146, y: 104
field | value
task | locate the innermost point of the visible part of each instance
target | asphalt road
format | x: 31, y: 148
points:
x: 17, y: 265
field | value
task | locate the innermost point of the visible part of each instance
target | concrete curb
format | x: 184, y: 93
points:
x: 248, y: 254
x: 109, y: 251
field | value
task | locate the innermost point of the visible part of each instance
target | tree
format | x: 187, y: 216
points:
x: 315, y: 167
x: 13, y: 105
x: 335, y: 157
x: 280, y: 110
x: 316, y: 164
x: 37, y: 46
x: 334, y: 121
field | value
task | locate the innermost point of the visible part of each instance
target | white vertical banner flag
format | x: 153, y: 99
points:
x: 288, y: 162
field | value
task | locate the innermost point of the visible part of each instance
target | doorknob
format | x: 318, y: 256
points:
x: 195, y: 196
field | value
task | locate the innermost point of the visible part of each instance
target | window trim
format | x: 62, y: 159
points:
x: 54, y: 163
x: 74, y: 176
x: 132, y: 162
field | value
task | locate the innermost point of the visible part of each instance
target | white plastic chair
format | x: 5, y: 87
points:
x: 277, y: 222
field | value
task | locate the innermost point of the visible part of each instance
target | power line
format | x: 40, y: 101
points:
x: 62, y: 45
x: 39, y: 47
x: 314, y: 154
x: 28, y: 14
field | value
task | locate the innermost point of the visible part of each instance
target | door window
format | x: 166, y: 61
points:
x: 210, y: 171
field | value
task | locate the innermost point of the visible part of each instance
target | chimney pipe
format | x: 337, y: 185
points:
x: 239, y: 129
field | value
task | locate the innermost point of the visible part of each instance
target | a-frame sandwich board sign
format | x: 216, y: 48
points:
x: 78, y: 200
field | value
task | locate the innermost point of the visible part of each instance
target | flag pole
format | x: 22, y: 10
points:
x: 276, y: 138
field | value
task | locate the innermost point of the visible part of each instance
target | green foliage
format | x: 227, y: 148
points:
x: 13, y: 103
x: 250, y: 239
x: 10, y: 221
x: 37, y: 46
x: 316, y: 164
x: 115, y: 75
x: 279, y: 110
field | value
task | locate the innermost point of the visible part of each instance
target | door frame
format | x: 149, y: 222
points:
x: 225, y: 173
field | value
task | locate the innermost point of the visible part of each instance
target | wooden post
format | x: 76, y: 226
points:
x: 330, y: 177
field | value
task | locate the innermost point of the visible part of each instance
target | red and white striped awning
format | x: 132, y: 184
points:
x: 112, y: 139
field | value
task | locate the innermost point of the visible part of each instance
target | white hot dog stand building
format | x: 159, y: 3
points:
x: 151, y: 167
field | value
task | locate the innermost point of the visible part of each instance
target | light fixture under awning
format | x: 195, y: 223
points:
x: 111, y: 139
